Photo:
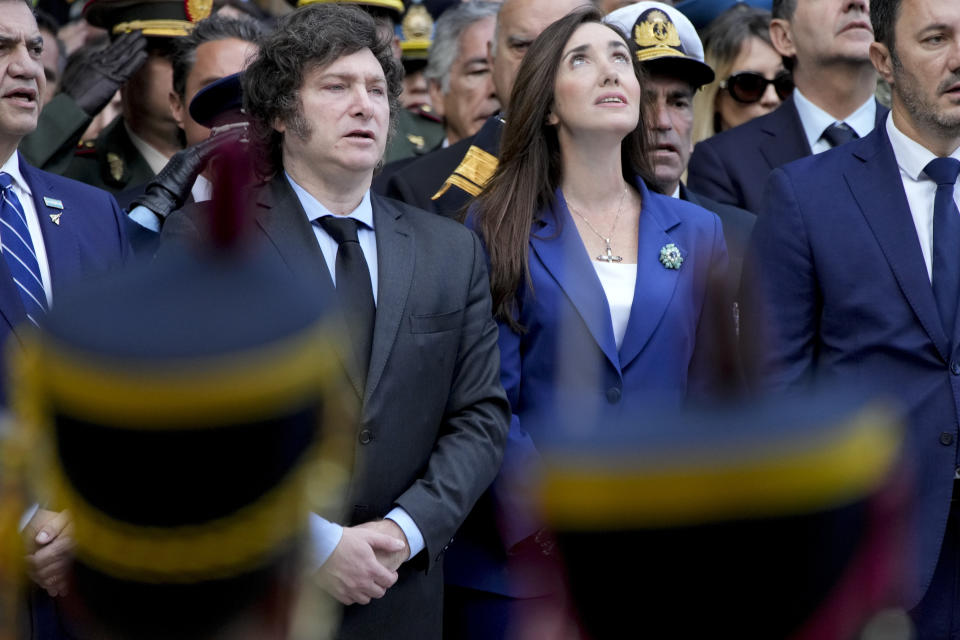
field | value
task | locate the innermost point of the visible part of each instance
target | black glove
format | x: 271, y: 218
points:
x: 170, y: 188
x: 95, y: 77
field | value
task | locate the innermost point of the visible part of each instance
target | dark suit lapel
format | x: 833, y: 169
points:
x: 282, y: 218
x: 59, y: 240
x: 878, y: 188
x: 655, y: 283
x: 561, y: 251
x: 785, y: 140
x: 395, y: 257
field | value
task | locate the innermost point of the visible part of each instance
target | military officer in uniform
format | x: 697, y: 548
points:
x: 136, y: 145
x: 416, y: 135
x: 416, y: 38
x: 88, y: 85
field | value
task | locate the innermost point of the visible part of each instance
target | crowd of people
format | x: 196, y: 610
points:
x: 480, y: 320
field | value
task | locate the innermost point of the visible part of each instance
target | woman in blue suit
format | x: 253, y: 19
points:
x: 599, y: 284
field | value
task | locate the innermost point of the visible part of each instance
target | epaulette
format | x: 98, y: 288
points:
x: 480, y: 162
x: 426, y: 111
x: 472, y: 174
x: 86, y: 148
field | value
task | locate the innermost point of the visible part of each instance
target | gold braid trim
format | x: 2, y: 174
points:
x: 212, y: 391
x: 216, y: 549
x: 659, y: 52
x: 472, y: 174
x: 224, y: 547
x: 396, y: 5
x: 590, y: 495
x: 165, y: 28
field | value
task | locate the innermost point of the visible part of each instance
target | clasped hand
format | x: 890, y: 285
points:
x: 49, y: 539
x: 364, y: 564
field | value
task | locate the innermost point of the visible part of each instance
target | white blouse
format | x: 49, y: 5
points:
x: 618, y: 281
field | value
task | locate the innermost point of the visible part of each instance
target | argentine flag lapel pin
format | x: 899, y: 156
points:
x: 53, y: 203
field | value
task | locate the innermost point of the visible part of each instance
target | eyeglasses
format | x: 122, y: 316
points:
x: 748, y: 86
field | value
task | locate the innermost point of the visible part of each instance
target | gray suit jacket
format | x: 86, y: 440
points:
x: 434, y: 415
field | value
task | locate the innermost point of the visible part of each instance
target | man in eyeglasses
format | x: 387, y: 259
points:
x: 672, y: 55
x: 825, y: 43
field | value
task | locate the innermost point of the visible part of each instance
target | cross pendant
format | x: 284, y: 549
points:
x: 609, y: 257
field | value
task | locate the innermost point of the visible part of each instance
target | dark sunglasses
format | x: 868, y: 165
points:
x: 748, y: 86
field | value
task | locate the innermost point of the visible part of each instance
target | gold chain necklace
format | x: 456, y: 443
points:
x: 607, y: 256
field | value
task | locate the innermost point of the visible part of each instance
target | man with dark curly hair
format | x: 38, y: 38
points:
x: 422, y: 351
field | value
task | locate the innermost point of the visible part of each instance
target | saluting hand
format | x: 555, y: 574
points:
x: 94, y: 79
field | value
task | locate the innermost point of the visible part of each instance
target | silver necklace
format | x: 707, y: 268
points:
x: 607, y: 255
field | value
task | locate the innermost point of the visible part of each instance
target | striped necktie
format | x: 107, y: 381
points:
x: 17, y: 248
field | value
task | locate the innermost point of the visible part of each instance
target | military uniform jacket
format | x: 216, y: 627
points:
x: 52, y: 145
x: 417, y: 134
x: 446, y: 180
x: 113, y: 164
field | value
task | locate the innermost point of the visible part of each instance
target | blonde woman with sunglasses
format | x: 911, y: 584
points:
x: 751, y: 80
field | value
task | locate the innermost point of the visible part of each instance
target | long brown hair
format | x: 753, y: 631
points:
x: 530, y: 168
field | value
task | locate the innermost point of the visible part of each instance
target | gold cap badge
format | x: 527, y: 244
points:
x: 656, y: 35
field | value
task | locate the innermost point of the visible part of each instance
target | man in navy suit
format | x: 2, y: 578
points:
x: 53, y: 231
x: 857, y: 253
x: 825, y: 44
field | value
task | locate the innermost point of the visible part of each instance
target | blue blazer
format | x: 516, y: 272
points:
x: 565, y: 371
x: 89, y: 239
x: 845, y: 290
x: 732, y: 166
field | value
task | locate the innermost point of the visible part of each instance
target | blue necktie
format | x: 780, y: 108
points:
x: 946, y: 240
x: 839, y: 133
x: 17, y: 248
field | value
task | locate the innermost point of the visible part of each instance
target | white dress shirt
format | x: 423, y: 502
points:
x: 202, y: 189
x: 921, y: 190
x: 25, y: 196
x: 155, y: 160
x: 325, y: 534
x: 815, y: 120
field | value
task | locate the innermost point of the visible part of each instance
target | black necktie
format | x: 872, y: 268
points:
x: 353, y: 287
x: 946, y: 240
x: 839, y: 133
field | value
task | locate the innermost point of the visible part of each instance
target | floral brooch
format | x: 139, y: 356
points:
x: 670, y: 256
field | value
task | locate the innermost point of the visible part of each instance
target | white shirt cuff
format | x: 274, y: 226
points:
x: 324, y: 538
x: 145, y: 218
x: 409, y: 528
x: 28, y: 516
